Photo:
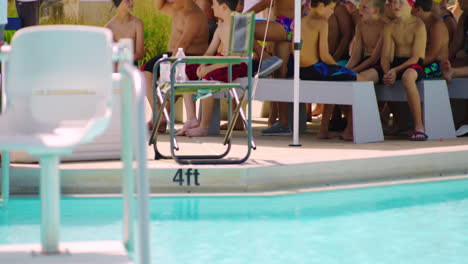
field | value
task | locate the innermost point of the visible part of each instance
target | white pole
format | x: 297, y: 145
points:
x: 50, y: 203
x: 5, y: 177
x: 297, y: 47
x: 128, y: 187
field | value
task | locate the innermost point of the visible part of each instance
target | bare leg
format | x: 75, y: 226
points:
x: 282, y: 50
x: 446, y: 69
x: 257, y: 49
x: 318, y: 109
x: 409, y: 82
x: 369, y: 75
x: 275, y: 31
x: 308, y: 108
x: 273, y: 114
x: 207, y: 113
x: 190, y: 110
x: 283, y: 113
x: 448, y: 72
x: 239, y: 125
x: 326, y: 115
x: 348, y: 132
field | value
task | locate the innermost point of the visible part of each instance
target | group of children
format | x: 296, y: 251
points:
x: 405, y: 40
x: 382, y: 42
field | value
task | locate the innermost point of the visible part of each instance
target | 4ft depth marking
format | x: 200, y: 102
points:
x: 179, y: 177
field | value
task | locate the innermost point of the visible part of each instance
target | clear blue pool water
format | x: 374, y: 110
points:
x: 411, y: 223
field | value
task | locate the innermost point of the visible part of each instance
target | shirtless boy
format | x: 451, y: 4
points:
x: 460, y: 42
x: 189, y: 31
x: 367, y: 41
x: 315, y: 57
x: 403, y: 53
x: 437, y: 38
x: 206, y: 5
x: 219, y: 71
x: 439, y: 9
x: 340, y: 30
x: 125, y: 25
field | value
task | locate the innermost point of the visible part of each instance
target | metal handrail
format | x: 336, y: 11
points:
x: 134, y: 137
x: 5, y: 178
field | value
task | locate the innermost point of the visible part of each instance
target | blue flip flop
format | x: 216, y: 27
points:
x: 413, y: 137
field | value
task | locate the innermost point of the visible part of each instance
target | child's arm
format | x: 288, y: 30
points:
x: 458, y: 38
x: 437, y: 33
x: 139, y: 40
x: 214, y: 45
x: 324, y: 52
x: 418, y: 51
x: 387, y: 43
x: 259, y: 6
x: 356, y: 51
x: 191, y: 29
x: 164, y: 7
x: 373, y: 58
x: 345, y: 25
x: 212, y: 49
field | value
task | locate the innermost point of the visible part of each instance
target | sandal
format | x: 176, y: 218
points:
x: 416, y: 136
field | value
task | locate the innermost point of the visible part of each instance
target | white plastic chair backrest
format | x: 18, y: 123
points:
x: 62, y: 73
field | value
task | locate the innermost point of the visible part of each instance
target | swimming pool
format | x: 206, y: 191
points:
x: 410, y: 223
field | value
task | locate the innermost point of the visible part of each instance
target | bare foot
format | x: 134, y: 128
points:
x: 197, y: 132
x: 237, y: 126
x: 347, y: 136
x: 447, y: 71
x: 323, y: 135
x: 188, y: 125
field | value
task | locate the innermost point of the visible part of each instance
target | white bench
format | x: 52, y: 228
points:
x: 437, y: 114
x: 458, y: 88
x: 361, y: 95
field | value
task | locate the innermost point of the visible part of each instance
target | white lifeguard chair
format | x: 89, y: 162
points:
x: 58, y: 83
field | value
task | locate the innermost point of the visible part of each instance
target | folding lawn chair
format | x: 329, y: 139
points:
x: 241, y: 42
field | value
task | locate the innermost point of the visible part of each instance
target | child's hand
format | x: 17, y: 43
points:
x: 390, y: 77
x: 202, y: 70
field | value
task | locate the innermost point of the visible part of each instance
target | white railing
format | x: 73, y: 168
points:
x: 134, y: 138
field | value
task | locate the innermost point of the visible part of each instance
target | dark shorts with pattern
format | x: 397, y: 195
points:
x: 397, y: 61
x: 321, y: 72
x: 432, y: 71
x: 326, y: 72
x: 150, y: 64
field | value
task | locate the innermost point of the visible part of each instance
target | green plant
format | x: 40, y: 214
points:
x: 157, y: 28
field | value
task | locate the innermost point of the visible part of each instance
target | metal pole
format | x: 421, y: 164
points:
x: 50, y: 203
x: 143, y: 239
x: 128, y: 188
x: 5, y: 177
x: 297, y: 48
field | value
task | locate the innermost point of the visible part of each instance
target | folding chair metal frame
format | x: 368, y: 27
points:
x: 165, y: 92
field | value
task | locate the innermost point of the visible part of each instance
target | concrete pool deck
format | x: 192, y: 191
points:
x: 72, y: 252
x: 273, y: 167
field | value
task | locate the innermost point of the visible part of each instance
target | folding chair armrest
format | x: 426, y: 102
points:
x: 215, y: 59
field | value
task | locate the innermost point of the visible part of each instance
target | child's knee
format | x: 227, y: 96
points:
x: 409, y: 76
